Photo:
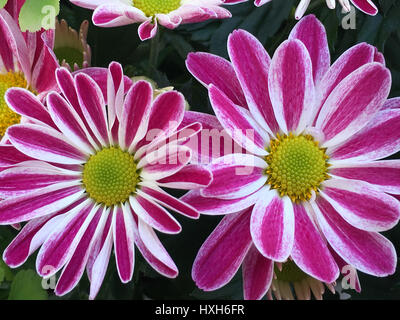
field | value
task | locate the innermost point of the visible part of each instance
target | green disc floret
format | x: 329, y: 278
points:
x: 296, y: 166
x: 152, y: 7
x: 110, y: 176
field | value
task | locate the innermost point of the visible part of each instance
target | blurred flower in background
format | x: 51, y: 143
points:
x: 71, y: 47
x: 311, y: 179
x: 150, y: 13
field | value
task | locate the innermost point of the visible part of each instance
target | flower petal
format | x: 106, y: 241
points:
x: 310, y: 252
x: 368, y: 252
x: 211, y: 69
x: 236, y: 176
x: 353, y: 103
x: 44, y: 144
x: 251, y: 63
x: 291, y: 86
x: 272, y: 225
x: 221, y: 255
x: 258, y: 272
x: 191, y: 176
x: 379, y: 139
x: 361, y: 204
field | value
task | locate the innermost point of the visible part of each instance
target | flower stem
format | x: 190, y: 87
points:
x: 154, y: 51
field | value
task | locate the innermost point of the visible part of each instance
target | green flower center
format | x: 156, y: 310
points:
x: 7, y: 116
x: 110, y: 176
x: 152, y: 7
x: 290, y: 272
x: 296, y: 166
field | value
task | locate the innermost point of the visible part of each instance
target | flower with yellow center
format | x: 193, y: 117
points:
x: 302, y: 177
x: 296, y: 166
x: 150, y: 13
x: 99, y: 175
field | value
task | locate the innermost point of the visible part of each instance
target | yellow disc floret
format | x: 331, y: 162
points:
x: 7, y: 116
x: 152, y: 7
x: 296, y: 166
x: 110, y: 176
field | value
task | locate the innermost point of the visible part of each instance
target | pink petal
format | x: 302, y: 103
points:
x: 236, y: 176
x: 379, y: 139
x: 45, y: 144
x: 221, y: 255
x: 368, y: 252
x: 211, y: 69
x: 75, y: 267
x: 272, y: 226
x: 385, y: 175
x: 238, y: 123
x: 92, y: 103
x: 61, y: 243
x: 311, y: 32
x: 366, y: 6
x: 115, y: 15
x: 310, y: 252
x: 215, y: 206
x: 9, y: 156
x: 251, y: 63
x: 154, y: 215
x: 147, y: 30
x: 161, y: 197
x: 291, y: 86
x: 39, y: 203
x: 17, y: 181
x: 124, y: 242
x: 362, y: 205
x: 28, y: 105
x: 353, y: 103
x: 258, y: 272
x: 135, y: 114
x: 191, y: 176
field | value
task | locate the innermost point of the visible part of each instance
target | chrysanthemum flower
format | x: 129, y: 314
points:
x: 26, y: 61
x: 311, y: 176
x: 71, y: 47
x: 366, y: 6
x: 150, y: 13
x: 88, y: 177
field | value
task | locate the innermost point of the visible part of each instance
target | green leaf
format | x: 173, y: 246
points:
x: 5, y: 272
x: 37, y: 14
x: 3, y: 3
x: 27, y: 285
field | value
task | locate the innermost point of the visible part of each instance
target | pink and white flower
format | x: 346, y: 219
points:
x: 150, y: 13
x: 366, y: 6
x: 26, y: 60
x: 311, y: 180
x: 86, y: 174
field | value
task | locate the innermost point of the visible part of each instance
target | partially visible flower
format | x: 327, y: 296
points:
x: 366, y: 6
x: 311, y: 182
x: 26, y: 61
x: 71, y: 47
x: 88, y: 175
x: 150, y: 13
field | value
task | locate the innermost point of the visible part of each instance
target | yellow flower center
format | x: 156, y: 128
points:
x: 7, y: 116
x: 296, y: 166
x: 110, y: 176
x: 152, y: 7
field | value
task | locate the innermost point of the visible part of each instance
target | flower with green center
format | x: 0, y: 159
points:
x: 98, y: 176
x: 303, y: 179
x: 111, y: 176
x: 296, y: 166
x: 150, y: 13
x: 17, y: 69
x: 71, y: 47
